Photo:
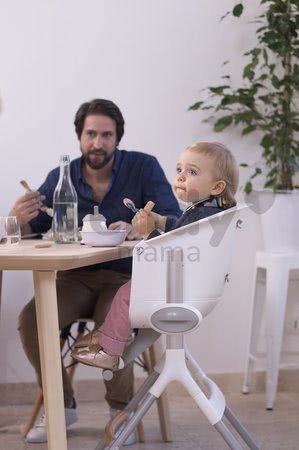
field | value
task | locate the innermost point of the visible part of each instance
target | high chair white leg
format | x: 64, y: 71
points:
x: 200, y: 376
x: 176, y: 368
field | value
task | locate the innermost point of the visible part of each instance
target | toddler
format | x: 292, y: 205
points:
x: 206, y: 177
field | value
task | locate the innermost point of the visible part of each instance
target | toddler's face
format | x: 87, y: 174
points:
x: 194, y: 180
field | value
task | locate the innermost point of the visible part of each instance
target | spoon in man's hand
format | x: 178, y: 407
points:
x: 44, y: 208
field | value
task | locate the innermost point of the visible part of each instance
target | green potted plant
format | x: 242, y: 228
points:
x: 266, y: 103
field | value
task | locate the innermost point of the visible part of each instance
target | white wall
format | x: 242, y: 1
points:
x: 151, y: 58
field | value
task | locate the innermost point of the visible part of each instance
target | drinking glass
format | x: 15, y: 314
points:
x: 10, y: 231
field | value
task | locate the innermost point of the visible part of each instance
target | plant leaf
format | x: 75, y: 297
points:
x: 248, y: 129
x: 267, y: 141
x: 248, y: 187
x: 257, y: 171
x: 224, y: 16
x: 248, y: 72
x: 195, y: 106
x: 222, y: 123
x: 218, y: 89
x: 275, y: 82
x: 238, y: 9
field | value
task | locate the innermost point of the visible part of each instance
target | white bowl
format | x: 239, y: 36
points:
x: 109, y: 238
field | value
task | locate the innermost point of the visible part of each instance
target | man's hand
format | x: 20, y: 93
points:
x: 144, y: 223
x: 26, y: 207
x: 131, y: 233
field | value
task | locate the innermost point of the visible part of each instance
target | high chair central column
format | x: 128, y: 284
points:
x: 175, y: 317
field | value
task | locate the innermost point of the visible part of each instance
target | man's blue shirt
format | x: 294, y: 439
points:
x: 134, y: 175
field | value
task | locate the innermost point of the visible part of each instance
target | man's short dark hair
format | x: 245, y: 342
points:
x: 101, y: 107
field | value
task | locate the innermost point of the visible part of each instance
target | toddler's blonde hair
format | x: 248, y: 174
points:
x: 225, y: 168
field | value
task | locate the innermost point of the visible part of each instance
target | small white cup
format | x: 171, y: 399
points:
x: 10, y: 231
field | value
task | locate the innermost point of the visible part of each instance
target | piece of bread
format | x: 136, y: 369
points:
x: 149, y: 206
x: 43, y: 245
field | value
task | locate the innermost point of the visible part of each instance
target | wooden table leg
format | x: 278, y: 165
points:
x: 48, y: 336
x: 0, y: 289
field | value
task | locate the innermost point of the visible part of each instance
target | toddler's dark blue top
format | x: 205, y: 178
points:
x: 197, y: 211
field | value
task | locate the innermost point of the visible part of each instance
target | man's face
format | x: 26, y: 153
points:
x: 98, y: 140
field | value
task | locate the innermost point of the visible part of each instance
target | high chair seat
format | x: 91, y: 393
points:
x: 177, y: 279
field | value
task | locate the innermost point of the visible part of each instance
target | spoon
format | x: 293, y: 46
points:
x: 130, y: 204
x: 44, y: 208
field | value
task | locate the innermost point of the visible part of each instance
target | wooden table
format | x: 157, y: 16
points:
x: 44, y: 262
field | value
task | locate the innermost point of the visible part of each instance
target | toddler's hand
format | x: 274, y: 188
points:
x: 131, y: 233
x: 143, y: 223
x: 160, y: 221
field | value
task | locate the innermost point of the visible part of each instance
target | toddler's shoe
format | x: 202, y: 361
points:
x: 95, y: 356
x: 91, y: 338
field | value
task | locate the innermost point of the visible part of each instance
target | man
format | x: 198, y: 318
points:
x: 102, y: 176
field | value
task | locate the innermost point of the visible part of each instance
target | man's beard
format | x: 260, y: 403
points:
x: 96, y: 164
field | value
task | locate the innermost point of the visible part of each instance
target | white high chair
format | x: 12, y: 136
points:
x: 177, y: 280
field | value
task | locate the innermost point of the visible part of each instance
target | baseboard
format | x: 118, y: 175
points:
x: 94, y: 390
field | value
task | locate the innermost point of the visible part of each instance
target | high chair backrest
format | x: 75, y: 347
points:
x: 206, y: 249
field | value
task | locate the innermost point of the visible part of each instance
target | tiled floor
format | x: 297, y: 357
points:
x: 273, y: 430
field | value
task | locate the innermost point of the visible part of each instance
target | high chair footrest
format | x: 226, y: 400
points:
x: 113, y: 425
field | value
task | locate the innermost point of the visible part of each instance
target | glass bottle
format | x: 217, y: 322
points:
x: 65, y: 206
